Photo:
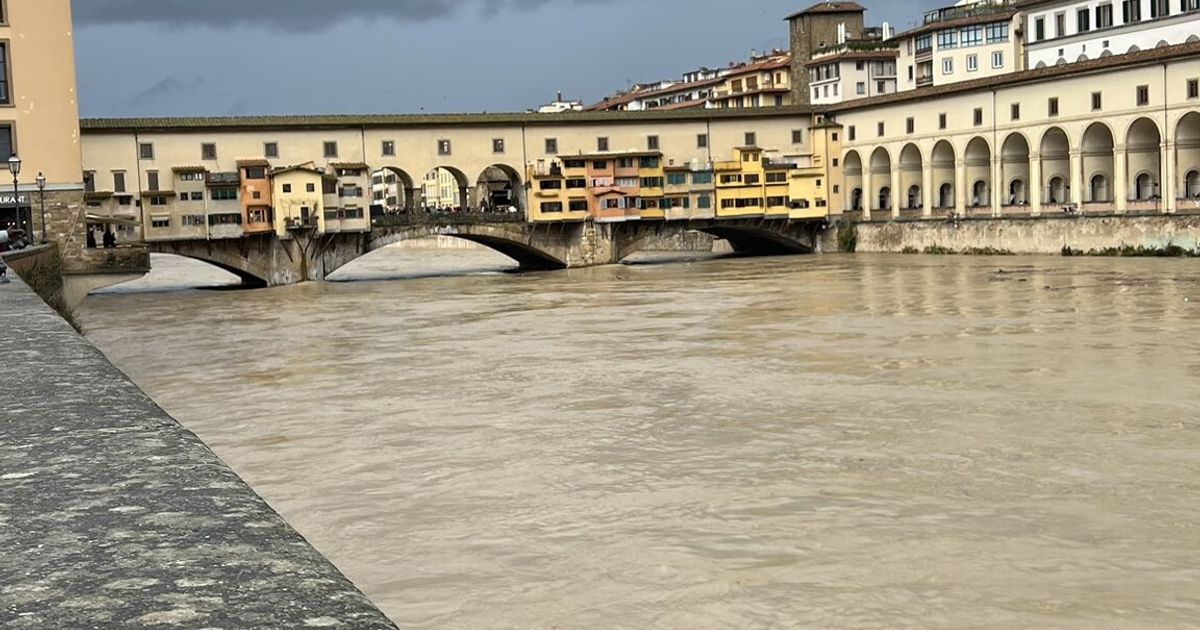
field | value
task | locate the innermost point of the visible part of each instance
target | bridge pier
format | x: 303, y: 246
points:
x: 266, y: 260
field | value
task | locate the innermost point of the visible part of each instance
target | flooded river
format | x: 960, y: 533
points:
x: 826, y: 442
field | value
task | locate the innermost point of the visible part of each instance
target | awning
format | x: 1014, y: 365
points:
x: 95, y: 218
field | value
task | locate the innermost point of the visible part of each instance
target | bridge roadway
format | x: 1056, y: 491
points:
x: 112, y: 515
x: 268, y: 260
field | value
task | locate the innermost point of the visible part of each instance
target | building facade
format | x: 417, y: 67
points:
x: 1059, y: 31
x: 961, y: 43
x: 818, y: 27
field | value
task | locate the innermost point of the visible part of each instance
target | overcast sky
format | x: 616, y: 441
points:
x: 236, y: 57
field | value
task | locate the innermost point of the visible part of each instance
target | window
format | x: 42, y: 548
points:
x: 1193, y: 88
x: 751, y: 139
x: 1015, y: 112
x: 947, y: 66
x: 256, y: 172
x: 978, y: 116
x: 881, y: 87
x: 118, y: 181
x: 152, y: 180
x: 331, y: 149
x: 1131, y: 10
x: 704, y: 202
x: 972, y: 63
x: 797, y: 136
x: 550, y: 184
x: 1097, y: 101
x: 602, y: 143
x: 310, y: 188
x: 600, y: 165
x: 223, y: 194
x: 551, y: 146
x: 1160, y: 8
x: 1053, y: 106
x: 1083, y: 20
x: 197, y: 196
x: 648, y: 162
x: 677, y: 179
x: 552, y: 206
x: 287, y: 188
x: 852, y: 133
x: 576, y: 183
x: 941, y: 121
x: 443, y: 147
x: 997, y: 32
x: 971, y: 36
x: 1104, y: 16
x: 652, y: 143
x: 702, y: 141
x: 158, y: 200
x: 652, y: 182
x: 880, y: 129
x: 1039, y: 29
x: 574, y: 164
x: 271, y: 149
x: 947, y: 39
x: 1143, y: 95
x: 578, y: 205
x: 162, y: 222
x: 924, y: 43
x: 861, y: 88
x: 208, y: 151
x: 5, y: 71
x: 387, y: 148
x: 1060, y: 25
x: 192, y: 220
x: 702, y: 177
x: 997, y: 60
x: 146, y: 151
x: 910, y: 125
x: 777, y: 178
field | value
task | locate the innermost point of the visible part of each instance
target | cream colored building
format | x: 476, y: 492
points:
x: 1117, y: 135
x: 1068, y: 31
x: 39, y: 117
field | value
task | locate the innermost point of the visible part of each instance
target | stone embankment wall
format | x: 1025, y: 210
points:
x: 112, y: 515
x: 1031, y: 236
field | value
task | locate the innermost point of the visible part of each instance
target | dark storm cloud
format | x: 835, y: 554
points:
x: 305, y: 15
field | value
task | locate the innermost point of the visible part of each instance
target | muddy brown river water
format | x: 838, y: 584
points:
x: 826, y: 442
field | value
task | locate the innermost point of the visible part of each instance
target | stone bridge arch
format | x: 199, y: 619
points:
x: 267, y: 261
x: 531, y: 248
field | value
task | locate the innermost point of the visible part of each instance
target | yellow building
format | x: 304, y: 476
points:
x: 299, y: 197
x: 763, y: 82
x: 741, y: 184
x: 652, y: 185
x: 815, y: 189
x: 40, y: 120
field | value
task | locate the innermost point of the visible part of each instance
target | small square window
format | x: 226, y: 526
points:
x: 910, y: 125
x: 1053, y: 106
x: 602, y: 143
x: 1143, y: 95
x: 444, y: 147
x: 1193, y: 88
x: 271, y: 149
x: 387, y: 148
x: 702, y: 141
x: 751, y: 139
x: 978, y: 116
x: 146, y: 151
x: 652, y: 143
x: 1097, y: 101
x: 331, y: 149
x: 1015, y: 112
x: 287, y: 188
x: 208, y: 151
x: 941, y: 121
x: 310, y: 188
x: 797, y: 136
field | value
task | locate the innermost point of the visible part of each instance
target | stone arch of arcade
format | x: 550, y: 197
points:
x: 393, y: 189
x: 1186, y: 153
x: 498, y: 187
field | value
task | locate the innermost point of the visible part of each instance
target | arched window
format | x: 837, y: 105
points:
x: 885, y: 198
x: 979, y: 194
x: 1191, y: 185
x: 1016, y: 193
x: 1099, y: 188
x: 946, y: 196
x: 1056, y: 193
x: 856, y: 199
x: 914, y: 197
x: 1143, y: 187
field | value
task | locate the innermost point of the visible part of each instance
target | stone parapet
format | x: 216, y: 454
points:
x: 115, y: 516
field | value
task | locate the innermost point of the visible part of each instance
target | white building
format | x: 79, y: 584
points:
x: 964, y: 42
x: 1065, y: 31
x: 559, y: 105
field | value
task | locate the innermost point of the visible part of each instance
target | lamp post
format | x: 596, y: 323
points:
x: 41, y: 184
x: 14, y: 166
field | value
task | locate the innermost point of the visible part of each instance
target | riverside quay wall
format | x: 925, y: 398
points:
x: 114, y: 515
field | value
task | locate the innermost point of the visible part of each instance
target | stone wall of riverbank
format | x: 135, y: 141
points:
x: 1031, y: 236
x: 114, y: 515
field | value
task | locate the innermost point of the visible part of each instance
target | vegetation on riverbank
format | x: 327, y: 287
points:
x: 45, y: 277
x: 1169, y: 250
x: 847, y: 237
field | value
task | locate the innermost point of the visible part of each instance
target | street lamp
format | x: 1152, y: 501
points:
x: 41, y: 184
x: 14, y: 165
